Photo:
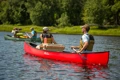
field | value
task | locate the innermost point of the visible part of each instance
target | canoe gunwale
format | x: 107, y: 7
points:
x: 67, y: 52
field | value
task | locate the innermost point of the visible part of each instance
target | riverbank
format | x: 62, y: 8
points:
x: 108, y: 31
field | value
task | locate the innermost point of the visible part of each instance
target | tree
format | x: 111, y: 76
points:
x: 63, y: 20
x: 13, y: 12
x: 5, y: 12
x: 39, y: 14
x: 116, y: 12
x: 73, y: 9
x: 43, y: 12
x: 94, y: 12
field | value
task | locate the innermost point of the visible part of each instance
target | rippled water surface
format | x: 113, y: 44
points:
x: 16, y: 65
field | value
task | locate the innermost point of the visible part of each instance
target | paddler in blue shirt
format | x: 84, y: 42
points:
x: 33, y: 33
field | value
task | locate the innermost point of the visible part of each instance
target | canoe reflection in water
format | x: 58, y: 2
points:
x: 97, y: 73
x: 45, y: 65
x: 56, y: 70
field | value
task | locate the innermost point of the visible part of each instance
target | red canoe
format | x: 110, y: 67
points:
x: 92, y: 58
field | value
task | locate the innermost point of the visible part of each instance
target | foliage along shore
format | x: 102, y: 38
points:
x: 107, y: 31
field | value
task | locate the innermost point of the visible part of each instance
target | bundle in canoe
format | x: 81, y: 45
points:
x: 51, y: 47
x: 92, y: 58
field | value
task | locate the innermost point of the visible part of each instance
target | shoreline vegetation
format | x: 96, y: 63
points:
x: 75, y: 30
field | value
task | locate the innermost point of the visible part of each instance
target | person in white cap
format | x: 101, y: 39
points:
x: 86, y: 42
x: 47, y: 37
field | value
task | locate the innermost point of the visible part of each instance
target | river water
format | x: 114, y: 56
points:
x: 16, y: 65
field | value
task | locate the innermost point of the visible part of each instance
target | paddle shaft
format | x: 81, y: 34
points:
x: 79, y: 54
x: 28, y: 35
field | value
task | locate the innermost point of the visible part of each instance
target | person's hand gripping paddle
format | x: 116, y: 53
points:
x: 80, y: 54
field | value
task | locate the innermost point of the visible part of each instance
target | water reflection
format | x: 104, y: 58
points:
x: 95, y: 74
x: 56, y: 70
x: 45, y: 65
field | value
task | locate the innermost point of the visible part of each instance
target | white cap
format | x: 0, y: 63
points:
x: 45, y: 28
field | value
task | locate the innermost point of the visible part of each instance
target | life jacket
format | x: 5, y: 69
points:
x: 35, y: 33
x: 90, y: 45
x: 47, y: 37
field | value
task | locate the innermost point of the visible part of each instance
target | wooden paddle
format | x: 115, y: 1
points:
x: 80, y: 54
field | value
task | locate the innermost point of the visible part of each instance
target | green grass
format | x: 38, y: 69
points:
x: 113, y: 31
x: 106, y: 32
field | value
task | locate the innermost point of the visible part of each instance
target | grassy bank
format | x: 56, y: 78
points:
x: 113, y: 31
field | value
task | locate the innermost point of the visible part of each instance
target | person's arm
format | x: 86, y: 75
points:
x: 53, y: 41
x: 84, y: 47
x: 41, y: 38
x: 32, y: 34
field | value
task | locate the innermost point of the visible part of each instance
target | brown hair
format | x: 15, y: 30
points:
x: 87, y: 27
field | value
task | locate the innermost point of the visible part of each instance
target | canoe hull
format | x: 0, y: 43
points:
x: 93, y: 58
x: 8, y: 37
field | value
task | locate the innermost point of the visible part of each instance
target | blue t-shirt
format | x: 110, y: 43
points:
x: 34, y: 34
